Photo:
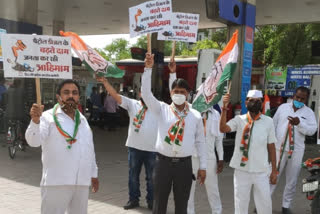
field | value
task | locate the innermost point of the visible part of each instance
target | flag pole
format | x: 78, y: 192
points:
x: 229, y: 86
x: 149, y: 43
x: 173, y: 51
x: 38, y: 91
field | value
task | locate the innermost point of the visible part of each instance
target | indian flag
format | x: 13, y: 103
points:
x: 94, y: 62
x: 211, y: 91
x: 266, y: 106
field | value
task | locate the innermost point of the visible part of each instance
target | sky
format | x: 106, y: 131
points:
x: 100, y: 41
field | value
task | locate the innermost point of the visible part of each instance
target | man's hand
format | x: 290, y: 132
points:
x: 36, y: 112
x: 220, y: 166
x: 273, y: 177
x: 294, y: 120
x: 201, y: 176
x: 94, y: 185
x: 172, y: 66
x: 101, y: 79
x: 149, y: 60
x: 226, y: 100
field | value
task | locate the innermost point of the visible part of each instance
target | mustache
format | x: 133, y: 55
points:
x: 71, y: 99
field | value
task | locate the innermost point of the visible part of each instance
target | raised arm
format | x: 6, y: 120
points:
x: 38, y: 129
x: 110, y: 89
x: 224, y: 128
x: 152, y: 103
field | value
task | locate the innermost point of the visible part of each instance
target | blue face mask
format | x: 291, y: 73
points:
x: 298, y: 104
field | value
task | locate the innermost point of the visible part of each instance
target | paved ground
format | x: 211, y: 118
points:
x: 20, y: 193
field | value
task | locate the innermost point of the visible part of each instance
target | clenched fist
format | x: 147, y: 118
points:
x: 36, y: 112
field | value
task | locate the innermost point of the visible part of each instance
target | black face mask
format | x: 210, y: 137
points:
x: 254, y: 106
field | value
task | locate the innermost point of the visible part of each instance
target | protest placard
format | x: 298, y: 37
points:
x: 33, y: 56
x: 2, y: 31
x: 184, y: 27
x: 149, y: 17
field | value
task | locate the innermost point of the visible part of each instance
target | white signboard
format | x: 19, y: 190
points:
x: 2, y: 31
x: 33, y: 56
x: 149, y: 17
x: 184, y: 27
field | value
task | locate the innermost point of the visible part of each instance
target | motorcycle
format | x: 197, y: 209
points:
x: 311, y: 184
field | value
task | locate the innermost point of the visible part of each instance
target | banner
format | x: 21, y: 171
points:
x: 276, y: 78
x: 2, y: 31
x: 184, y: 27
x: 33, y: 56
x: 149, y: 17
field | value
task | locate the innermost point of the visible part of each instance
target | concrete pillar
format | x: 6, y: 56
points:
x: 56, y: 27
x: 245, y: 42
x: 157, y: 71
x: 20, y: 10
x: 58, y: 17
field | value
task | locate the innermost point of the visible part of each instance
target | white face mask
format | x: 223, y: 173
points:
x: 178, y: 99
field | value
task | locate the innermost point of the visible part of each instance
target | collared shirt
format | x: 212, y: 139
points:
x: 146, y: 138
x: 193, y: 137
x: 110, y: 104
x: 307, y: 125
x: 262, y: 134
x: 60, y: 165
x: 214, y: 138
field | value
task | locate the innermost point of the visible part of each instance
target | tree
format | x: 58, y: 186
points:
x: 117, y: 50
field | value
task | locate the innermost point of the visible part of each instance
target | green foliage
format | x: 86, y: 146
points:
x: 282, y: 45
x: 117, y: 50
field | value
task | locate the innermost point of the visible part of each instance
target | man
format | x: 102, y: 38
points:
x: 68, y: 157
x: 142, y: 135
x: 214, y: 140
x: 292, y: 121
x: 95, y: 99
x: 254, y: 144
x: 180, y: 131
x: 110, y: 107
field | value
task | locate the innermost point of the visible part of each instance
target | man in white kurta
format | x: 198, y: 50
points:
x: 251, y: 169
x: 67, y: 169
x: 214, y: 140
x: 304, y: 124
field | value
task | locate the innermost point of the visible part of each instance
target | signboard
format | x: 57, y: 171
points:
x: 184, y: 27
x: 150, y: 17
x: 276, y: 78
x: 33, y: 56
x: 2, y: 31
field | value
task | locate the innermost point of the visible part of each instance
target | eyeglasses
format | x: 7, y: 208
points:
x: 67, y: 92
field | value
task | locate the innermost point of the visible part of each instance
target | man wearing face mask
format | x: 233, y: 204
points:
x: 180, y: 132
x: 254, y: 144
x: 292, y: 121
x: 142, y: 136
x: 68, y: 157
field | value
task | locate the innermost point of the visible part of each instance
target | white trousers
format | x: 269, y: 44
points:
x: 243, y: 182
x: 292, y: 170
x: 211, y: 184
x: 61, y: 199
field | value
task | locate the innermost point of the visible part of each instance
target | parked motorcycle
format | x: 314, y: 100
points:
x: 311, y: 185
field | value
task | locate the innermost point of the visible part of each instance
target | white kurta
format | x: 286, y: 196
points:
x: 255, y: 173
x: 66, y: 173
x: 307, y: 126
x: 193, y: 132
x: 214, y: 140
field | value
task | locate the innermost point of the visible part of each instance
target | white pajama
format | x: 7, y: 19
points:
x: 70, y: 199
x: 243, y: 182
x: 292, y: 169
x: 211, y: 184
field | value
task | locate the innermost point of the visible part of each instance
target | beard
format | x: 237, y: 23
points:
x: 69, y: 106
x: 254, y: 107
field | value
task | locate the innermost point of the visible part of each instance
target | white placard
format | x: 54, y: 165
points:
x: 184, y: 27
x: 2, y: 31
x: 149, y: 17
x: 33, y: 56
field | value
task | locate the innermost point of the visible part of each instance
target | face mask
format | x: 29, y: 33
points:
x: 178, y: 99
x: 254, y: 107
x: 68, y: 107
x: 298, y: 104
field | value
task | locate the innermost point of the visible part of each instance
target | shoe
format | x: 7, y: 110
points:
x: 150, y: 205
x: 131, y: 205
x: 286, y: 211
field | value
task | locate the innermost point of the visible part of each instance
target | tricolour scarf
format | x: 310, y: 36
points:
x: 246, y: 137
x: 290, y: 134
x: 176, y: 131
x: 70, y: 139
x: 138, y: 119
